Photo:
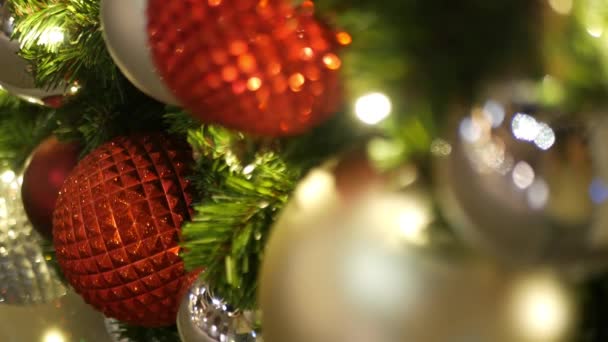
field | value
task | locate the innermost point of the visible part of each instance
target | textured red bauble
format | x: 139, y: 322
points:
x: 117, y: 225
x: 262, y: 67
x: 49, y: 166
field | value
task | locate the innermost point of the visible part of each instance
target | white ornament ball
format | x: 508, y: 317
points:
x: 15, y: 76
x: 124, y: 27
x: 528, y: 184
x: 360, y: 266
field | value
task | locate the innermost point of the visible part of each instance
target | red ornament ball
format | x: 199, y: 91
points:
x: 262, y: 67
x: 117, y: 226
x: 49, y: 166
x: 55, y: 102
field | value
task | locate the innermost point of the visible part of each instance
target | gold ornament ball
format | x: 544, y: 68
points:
x: 360, y: 266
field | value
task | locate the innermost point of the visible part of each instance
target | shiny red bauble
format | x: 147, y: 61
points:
x: 117, y: 226
x: 49, y: 166
x: 262, y: 67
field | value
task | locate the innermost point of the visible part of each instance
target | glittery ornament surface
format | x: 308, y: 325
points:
x: 25, y: 277
x: 116, y: 228
x: 204, y: 317
x: 263, y: 67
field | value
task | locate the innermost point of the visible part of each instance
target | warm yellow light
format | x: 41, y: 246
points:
x: 373, y: 108
x: 595, y: 32
x: 344, y: 38
x: 53, y: 336
x: 331, y: 61
x: 413, y: 222
x: 542, y: 310
x: 8, y: 176
x: 316, y: 189
x: 74, y: 89
x: 254, y: 83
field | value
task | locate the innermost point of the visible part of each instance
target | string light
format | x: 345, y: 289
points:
x: 525, y: 127
x: 7, y: 176
x: 413, y: 221
x: 74, y: 88
x: 541, y: 309
x: 373, y: 108
x: 53, y: 336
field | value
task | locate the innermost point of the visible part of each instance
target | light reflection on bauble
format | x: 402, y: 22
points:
x: 524, y: 190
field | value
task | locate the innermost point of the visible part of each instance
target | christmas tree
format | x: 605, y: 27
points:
x: 274, y: 170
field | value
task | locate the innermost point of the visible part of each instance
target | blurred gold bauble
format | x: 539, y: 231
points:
x: 68, y: 319
x: 362, y: 266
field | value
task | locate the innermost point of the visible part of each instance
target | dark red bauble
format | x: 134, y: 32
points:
x: 49, y: 166
x: 117, y: 226
x: 55, y: 102
x: 262, y: 67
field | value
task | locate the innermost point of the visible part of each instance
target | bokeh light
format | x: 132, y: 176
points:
x: 373, y: 108
x: 541, y: 309
x: 523, y: 175
x: 53, y: 335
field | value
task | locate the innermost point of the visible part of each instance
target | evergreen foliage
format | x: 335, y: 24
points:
x: 426, y: 55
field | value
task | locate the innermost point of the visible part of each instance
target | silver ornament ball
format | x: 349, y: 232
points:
x: 526, y: 183
x: 205, y: 317
x: 6, y: 20
x: 113, y: 328
x: 25, y: 276
x: 15, y: 76
x: 125, y: 32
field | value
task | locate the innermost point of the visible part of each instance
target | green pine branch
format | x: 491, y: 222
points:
x: 232, y: 221
x: 140, y: 334
x: 106, y: 105
x: 22, y: 127
x: 80, y: 56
